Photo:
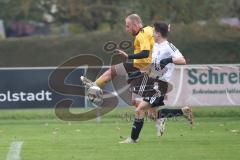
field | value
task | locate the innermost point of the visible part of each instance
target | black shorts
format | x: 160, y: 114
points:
x: 152, y: 90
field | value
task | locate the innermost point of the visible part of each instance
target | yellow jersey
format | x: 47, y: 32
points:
x: 144, y: 40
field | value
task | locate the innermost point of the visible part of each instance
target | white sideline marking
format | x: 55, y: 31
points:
x: 15, y: 150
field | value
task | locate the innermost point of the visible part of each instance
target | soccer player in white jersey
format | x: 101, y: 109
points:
x: 164, y: 58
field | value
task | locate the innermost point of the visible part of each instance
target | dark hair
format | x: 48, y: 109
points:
x: 162, y: 28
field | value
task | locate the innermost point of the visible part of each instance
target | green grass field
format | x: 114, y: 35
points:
x: 215, y: 136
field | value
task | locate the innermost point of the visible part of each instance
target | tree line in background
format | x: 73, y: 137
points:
x: 96, y: 14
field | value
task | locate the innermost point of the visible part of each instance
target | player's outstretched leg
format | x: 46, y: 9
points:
x: 162, y: 114
x: 169, y: 113
x: 102, y: 80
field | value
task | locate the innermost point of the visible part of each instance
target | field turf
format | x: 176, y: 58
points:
x: 215, y: 136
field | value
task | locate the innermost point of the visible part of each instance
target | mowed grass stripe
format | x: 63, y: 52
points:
x: 41, y: 114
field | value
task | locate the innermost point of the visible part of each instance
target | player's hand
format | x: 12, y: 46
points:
x: 165, y: 61
x: 124, y: 54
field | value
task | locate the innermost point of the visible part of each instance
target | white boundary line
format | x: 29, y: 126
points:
x: 15, y: 150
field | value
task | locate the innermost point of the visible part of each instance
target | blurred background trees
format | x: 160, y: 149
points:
x: 90, y: 15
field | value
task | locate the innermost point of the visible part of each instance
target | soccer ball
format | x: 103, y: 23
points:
x: 95, y: 95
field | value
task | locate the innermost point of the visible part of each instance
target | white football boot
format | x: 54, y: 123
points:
x: 87, y: 82
x: 129, y: 140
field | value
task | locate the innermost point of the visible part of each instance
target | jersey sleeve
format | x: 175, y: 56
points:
x: 174, y: 52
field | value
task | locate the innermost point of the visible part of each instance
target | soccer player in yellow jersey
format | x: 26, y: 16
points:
x: 142, y: 57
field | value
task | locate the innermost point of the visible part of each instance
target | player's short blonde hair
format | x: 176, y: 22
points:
x: 135, y: 18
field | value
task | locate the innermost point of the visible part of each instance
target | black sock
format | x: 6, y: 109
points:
x: 136, y: 128
x: 168, y: 113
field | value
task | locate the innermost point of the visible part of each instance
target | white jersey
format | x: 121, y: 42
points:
x: 162, y: 51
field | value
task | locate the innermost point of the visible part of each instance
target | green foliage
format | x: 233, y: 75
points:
x: 89, y: 14
x: 185, y: 11
x: 21, y: 10
x: 234, y: 9
x: 92, y: 14
x: 76, y: 28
